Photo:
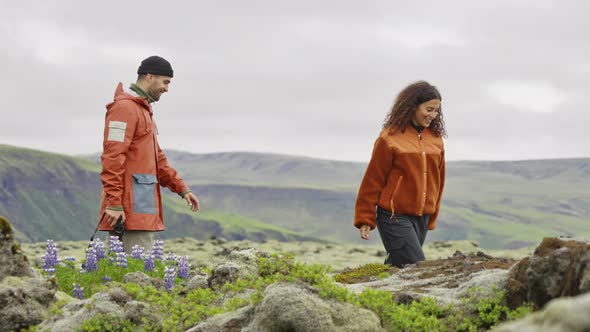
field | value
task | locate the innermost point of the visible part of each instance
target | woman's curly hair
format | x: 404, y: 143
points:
x: 407, y: 102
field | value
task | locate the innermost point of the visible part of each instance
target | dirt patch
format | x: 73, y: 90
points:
x: 460, y: 265
x: 448, y: 272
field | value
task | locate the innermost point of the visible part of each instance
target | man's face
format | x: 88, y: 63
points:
x: 157, y: 85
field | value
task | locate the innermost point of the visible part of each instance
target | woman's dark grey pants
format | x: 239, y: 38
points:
x: 403, y: 237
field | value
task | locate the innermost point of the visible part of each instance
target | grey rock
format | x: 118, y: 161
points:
x: 585, y: 274
x: 567, y: 314
x: 13, y: 262
x: 293, y: 307
x: 223, y: 273
x: 558, y: 267
x: 137, y: 311
x: 24, y: 302
x: 410, y: 283
x: 241, y: 264
x: 77, y: 311
x: 245, y: 256
x: 196, y: 282
x: 233, y: 321
x: 119, y: 296
x: 138, y: 278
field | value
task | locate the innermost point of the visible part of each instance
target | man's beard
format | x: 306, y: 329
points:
x: 155, y: 94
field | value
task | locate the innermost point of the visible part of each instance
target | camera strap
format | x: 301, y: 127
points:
x: 97, y: 226
x: 96, y: 230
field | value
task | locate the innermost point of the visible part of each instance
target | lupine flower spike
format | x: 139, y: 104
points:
x: 78, y: 291
x: 91, y: 260
x: 137, y: 251
x: 50, y: 259
x: 169, y: 273
x: 183, y: 267
x: 148, y: 261
x: 121, y: 259
x: 158, y: 249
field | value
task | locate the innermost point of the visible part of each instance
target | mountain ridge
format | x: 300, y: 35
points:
x: 500, y: 204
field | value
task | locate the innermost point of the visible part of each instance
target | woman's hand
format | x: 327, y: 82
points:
x: 365, y: 232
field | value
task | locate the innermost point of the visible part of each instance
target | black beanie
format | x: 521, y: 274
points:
x: 155, y: 65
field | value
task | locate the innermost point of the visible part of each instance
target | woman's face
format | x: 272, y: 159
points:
x: 426, y: 112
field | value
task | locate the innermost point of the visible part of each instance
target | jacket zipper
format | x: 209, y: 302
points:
x: 154, y: 133
x: 423, y: 154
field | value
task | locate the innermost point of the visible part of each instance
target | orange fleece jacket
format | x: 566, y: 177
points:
x: 406, y: 175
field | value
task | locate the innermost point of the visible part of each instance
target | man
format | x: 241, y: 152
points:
x: 132, y: 162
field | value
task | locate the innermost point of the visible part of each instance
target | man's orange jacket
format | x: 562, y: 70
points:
x: 133, y: 165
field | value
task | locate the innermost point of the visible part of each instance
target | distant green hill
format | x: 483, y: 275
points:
x: 500, y: 204
x: 51, y: 196
x: 508, y: 204
x: 263, y: 169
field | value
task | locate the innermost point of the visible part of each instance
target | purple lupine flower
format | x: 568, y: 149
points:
x: 111, y: 260
x: 148, y: 261
x: 171, y: 257
x: 78, y: 291
x: 183, y: 267
x: 116, y: 245
x: 106, y: 279
x: 169, y: 273
x: 99, y: 249
x: 72, y: 260
x: 158, y: 249
x: 137, y: 251
x: 121, y: 259
x: 50, y: 259
x: 91, y: 261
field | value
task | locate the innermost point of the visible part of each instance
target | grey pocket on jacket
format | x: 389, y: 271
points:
x: 144, y: 187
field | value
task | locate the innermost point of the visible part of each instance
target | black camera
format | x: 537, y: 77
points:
x: 119, y: 227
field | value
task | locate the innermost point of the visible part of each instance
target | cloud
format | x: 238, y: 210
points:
x: 51, y: 44
x: 420, y: 36
x: 303, y: 77
x: 527, y: 95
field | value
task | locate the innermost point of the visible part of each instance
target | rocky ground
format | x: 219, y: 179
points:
x: 337, y: 255
x: 554, y: 278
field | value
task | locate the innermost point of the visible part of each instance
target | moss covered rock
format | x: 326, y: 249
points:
x: 13, y: 262
x: 558, y: 267
x: 24, y: 302
x: 5, y: 226
x: 568, y: 314
x: 295, y: 307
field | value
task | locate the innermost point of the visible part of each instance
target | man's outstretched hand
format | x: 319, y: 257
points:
x: 192, y: 201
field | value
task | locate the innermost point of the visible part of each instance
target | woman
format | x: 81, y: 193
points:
x: 405, y: 177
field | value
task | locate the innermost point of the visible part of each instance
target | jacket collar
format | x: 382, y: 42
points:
x: 121, y: 94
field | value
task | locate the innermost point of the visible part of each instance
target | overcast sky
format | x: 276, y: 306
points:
x: 313, y: 78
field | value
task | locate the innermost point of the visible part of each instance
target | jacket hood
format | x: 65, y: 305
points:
x: 121, y: 94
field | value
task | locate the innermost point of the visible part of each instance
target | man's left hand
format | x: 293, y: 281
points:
x: 192, y: 201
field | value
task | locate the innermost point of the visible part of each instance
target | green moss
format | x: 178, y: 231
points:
x: 364, y: 273
x: 55, y: 309
x: 103, y: 322
x: 15, y: 248
x: 5, y: 226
